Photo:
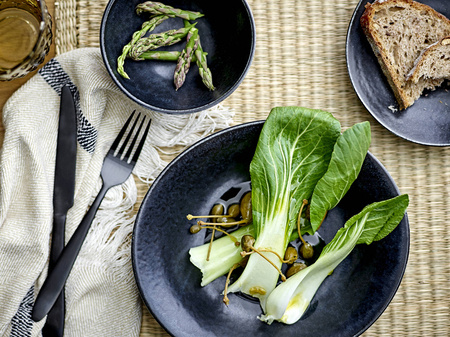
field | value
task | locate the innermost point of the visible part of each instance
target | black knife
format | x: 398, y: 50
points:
x: 63, y: 194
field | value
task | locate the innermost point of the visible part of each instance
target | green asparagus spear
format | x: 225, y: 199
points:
x: 154, y: 41
x: 162, y: 55
x: 146, y: 26
x: 203, y: 69
x: 157, y: 8
x: 200, y: 58
x: 184, y: 61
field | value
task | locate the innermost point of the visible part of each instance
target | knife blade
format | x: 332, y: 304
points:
x: 63, y: 196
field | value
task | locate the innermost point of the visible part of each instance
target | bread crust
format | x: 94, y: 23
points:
x: 367, y: 24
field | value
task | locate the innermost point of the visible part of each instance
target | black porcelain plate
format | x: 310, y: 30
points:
x: 427, y: 121
x: 346, y: 304
x: 229, y: 40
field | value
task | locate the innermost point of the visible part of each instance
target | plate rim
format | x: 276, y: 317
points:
x: 351, y: 24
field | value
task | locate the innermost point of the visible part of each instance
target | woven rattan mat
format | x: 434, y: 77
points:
x: 300, y: 60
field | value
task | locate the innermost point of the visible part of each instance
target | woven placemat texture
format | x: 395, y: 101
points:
x: 300, y: 60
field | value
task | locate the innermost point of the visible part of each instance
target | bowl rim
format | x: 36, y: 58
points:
x: 215, y: 102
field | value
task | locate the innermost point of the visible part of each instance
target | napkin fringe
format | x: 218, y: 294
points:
x: 174, y: 134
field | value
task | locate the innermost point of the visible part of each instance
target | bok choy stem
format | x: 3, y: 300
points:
x: 224, y: 254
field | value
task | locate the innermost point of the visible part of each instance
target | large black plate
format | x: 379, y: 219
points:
x: 427, y: 121
x: 347, y: 303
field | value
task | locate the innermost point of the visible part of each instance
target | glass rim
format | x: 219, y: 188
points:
x: 45, y: 19
x: 42, y: 28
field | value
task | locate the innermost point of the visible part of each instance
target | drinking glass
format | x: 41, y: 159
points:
x: 25, y: 36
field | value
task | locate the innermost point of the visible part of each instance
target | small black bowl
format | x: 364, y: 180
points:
x: 227, y: 34
x: 346, y: 304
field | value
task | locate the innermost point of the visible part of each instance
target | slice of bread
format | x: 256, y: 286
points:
x: 398, y: 31
x: 434, y: 62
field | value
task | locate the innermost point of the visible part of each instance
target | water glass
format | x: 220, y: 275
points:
x: 25, y: 36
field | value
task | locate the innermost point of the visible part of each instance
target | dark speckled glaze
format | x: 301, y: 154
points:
x: 427, y: 121
x: 346, y: 304
x: 227, y: 34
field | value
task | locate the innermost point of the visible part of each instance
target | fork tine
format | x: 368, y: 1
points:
x: 122, y: 132
x: 141, y: 144
x: 130, y: 149
x: 122, y: 148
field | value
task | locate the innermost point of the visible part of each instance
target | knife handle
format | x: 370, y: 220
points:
x: 57, y: 277
x: 58, y: 238
x: 54, y: 325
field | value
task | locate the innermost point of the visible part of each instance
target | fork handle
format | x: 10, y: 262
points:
x: 57, y: 277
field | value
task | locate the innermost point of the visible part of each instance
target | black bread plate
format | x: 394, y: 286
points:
x: 427, y: 121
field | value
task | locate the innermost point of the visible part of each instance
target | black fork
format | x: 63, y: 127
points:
x: 116, y: 169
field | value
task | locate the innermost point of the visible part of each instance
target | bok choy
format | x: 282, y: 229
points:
x: 290, y: 299
x: 292, y: 154
x: 301, y: 159
x: 300, y: 154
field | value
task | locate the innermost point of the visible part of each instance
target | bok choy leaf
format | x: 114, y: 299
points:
x: 293, y: 153
x: 290, y: 299
x: 346, y: 162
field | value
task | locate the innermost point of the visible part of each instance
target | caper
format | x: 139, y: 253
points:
x: 225, y: 219
x: 234, y: 210
x: 217, y: 209
x: 306, y: 250
x: 290, y: 255
x: 195, y: 228
x: 246, y: 206
x: 247, y: 242
x: 295, y: 268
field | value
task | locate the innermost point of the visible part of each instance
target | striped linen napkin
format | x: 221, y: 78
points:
x: 101, y: 296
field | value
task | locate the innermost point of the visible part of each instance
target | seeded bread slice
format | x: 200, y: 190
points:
x: 398, y: 31
x: 434, y: 62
